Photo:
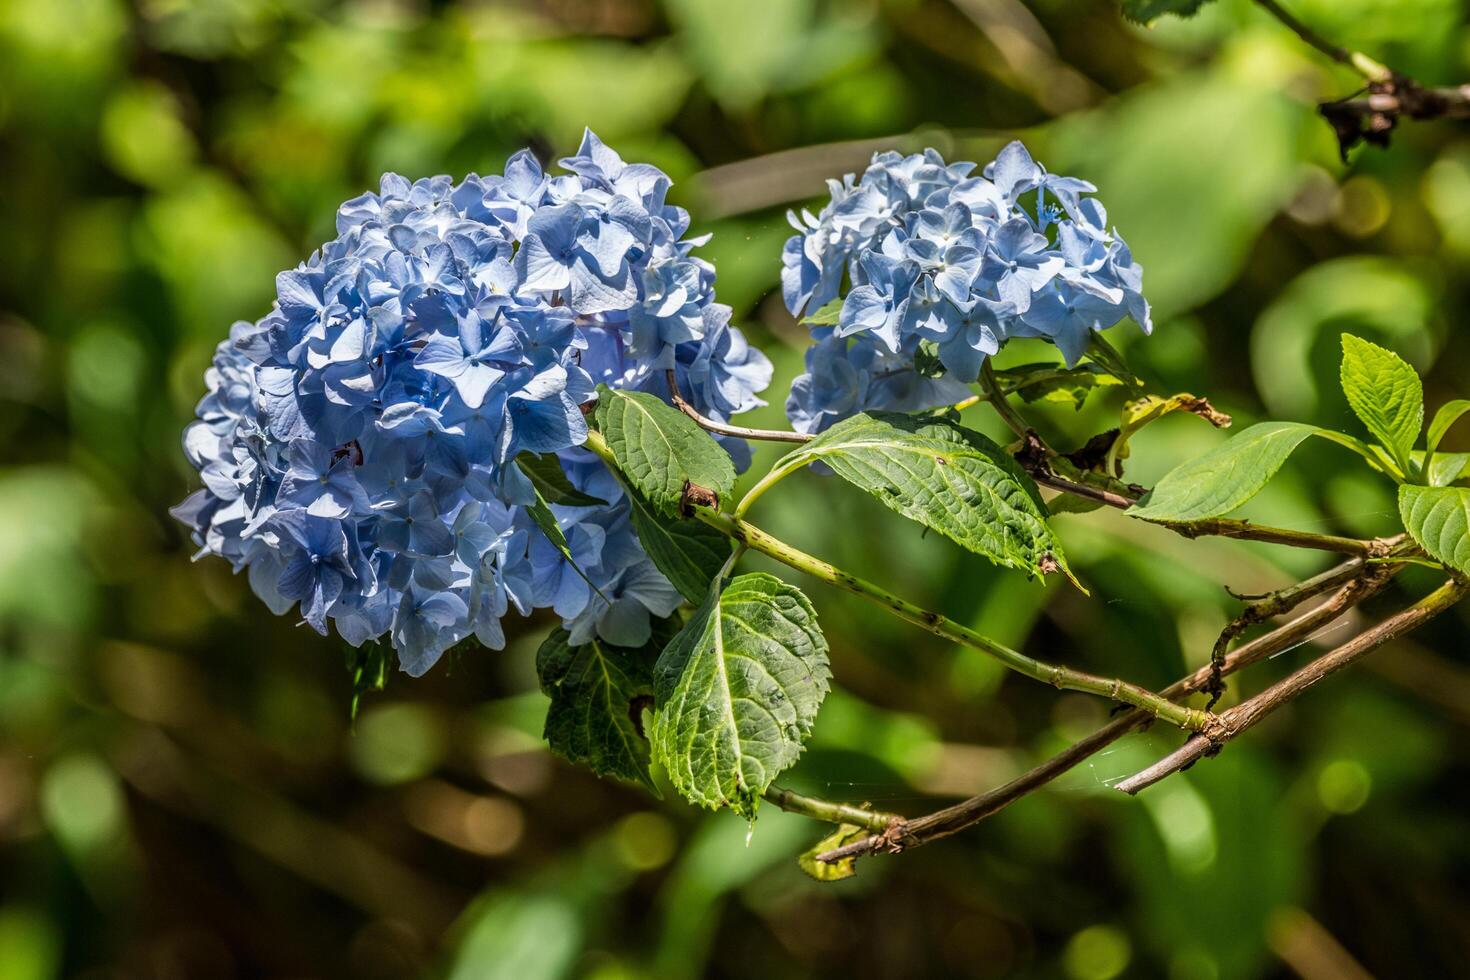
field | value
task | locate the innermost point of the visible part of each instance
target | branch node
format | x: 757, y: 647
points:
x: 697, y: 496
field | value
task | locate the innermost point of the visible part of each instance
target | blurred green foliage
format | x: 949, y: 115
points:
x: 181, y: 794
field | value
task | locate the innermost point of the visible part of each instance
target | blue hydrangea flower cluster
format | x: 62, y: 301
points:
x: 358, y: 444
x: 942, y: 263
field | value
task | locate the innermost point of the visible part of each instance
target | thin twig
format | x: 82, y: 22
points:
x: 1391, y: 95
x: 724, y: 429
x: 1277, y: 603
x: 1356, y: 60
x: 874, y: 821
x: 1248, y: 713
x: 951, y: 820
x: 1084, y: 490
x: 997, y: 398
x: 1062, y: 678
x: 1036, y: 459
x: 1039, y: 468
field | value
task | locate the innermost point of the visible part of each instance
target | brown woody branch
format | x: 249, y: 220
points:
x: 1277, y: 603
x: 1390, y: 96
x: 725, y: 429
x: 1363, y: 582
x: 1122, y: 496
x: 1248, y: 713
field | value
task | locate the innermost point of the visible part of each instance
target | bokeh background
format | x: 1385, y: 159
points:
x: 181, y: 795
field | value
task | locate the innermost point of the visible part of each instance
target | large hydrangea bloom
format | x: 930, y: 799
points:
x: 941, y: 265
x: 357, y: 444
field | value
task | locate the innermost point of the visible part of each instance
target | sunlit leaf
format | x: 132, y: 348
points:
x: 737, y: 692
x: 1438, y: 518
x: 1385, y: 393
x: 836, y: 870
x: 1143, y: 411
x: 1223, y: 479
x: 1050, y: 382
x: 660, y: 449
x: 948, y: 478
x: 827, y: 316
x: 1449, y: 413
x: 1105, y: 355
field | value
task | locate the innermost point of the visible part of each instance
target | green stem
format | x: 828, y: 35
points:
x: 997, y: 398
x: 1092, y: 486
x: 1396, y: 467
x: 1356, y: 60
x: 1060, y: 677
x: 1226, y: 527
x: 775, y: 476
x: 873, y: 821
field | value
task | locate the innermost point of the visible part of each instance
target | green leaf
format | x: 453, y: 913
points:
x: 1447, y: 468
x: 550, y: 480
x: 1443, y: 469
x: 1385, y: 393
x: 1449, y: 413
x: 1144, y: 11
x: 845, y: 833
x: 688, y: 552
x: 1052, y: 382
x: 660, y: 449
x: 948, y: 478
x: 1141, y: 412
x: 737, y: 692
x: 1438, y: 518
x: 547, y: 523
x: 1224, y: 478
x: 598, y: 693
x: 1100, y: 352
x: 827, y: 316
x: 368, y: 665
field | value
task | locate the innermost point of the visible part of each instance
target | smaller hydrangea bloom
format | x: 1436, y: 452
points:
x: 358, y: 444
x: 934, y: 254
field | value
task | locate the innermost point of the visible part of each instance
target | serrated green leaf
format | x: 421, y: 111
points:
x: 548, y: 525
x: 550, y: 480
x: 689, y: 553
x: 737, y: 691
x: 1051, y: 382
x: 948, y: 478
x: 845, y: 833
x: 1224, y: 478
x: 660, y: 449
x: 1438, y: 518
x: 1385, y: 393
x: 827, y: 316
x: 1145, y: 11
x: 1449, y: 413
x: 598, y: 693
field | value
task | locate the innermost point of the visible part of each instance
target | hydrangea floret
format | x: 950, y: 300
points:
x: 358, y: 444
x: 941, y: 268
